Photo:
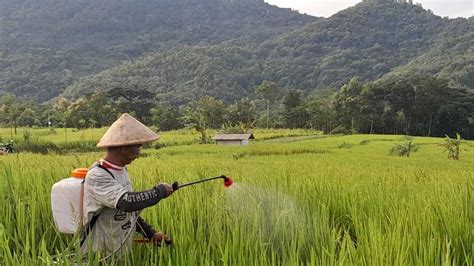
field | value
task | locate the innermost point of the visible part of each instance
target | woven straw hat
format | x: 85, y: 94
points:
x: 127, y: 131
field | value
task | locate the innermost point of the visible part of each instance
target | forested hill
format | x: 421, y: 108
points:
x: 46, y: 45
x: 369, y: 40
x: 451, y: 56
x: 185, y: 49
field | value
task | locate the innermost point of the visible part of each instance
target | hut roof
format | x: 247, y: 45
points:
x: 233, y: 136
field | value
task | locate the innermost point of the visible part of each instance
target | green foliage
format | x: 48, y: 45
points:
x: 405, y: 148
x: 418, y: 105
x: 242, y: 113
x: 340, y: 130
x: 212, y: 110
x: 26, y: 135
x: 321, y: 113
x: 166, y: 117
x: 452, y: 146
x: 349, y: 103
x: 229, y: 128
x: 345, y: 145
x: 295, y: 114
x: 102, y: 108
x: 206, y: 113
x: 269, y: 93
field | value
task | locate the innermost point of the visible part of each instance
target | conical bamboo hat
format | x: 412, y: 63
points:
x: 127, y: 131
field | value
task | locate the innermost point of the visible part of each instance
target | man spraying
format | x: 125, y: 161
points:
x: 110, y: 205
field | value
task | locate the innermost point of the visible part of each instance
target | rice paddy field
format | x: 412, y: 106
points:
x: 90, y: 136
x: 299, y: 198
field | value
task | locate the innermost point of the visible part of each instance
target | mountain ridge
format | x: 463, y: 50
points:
x: 373, y: 40
x: 46, y: 45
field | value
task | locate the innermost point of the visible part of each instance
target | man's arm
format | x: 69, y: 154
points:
x: 145, y: 229
x: 135, y: 201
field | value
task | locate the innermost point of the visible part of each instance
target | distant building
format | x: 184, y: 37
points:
x: 233, y: 139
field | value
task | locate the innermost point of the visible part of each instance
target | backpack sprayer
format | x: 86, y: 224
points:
x: 67, y: 198
x: 67, y: 202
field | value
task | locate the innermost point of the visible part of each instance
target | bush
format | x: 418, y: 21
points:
x: 37, y: 147
x: 405, y: 148
x: 340, y: 130
x: 452, y: 146
x: 45, y: 147
x: 26, y: 136
x: 345, y: 145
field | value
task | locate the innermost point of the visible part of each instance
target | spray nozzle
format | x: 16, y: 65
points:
x: 228, y: 181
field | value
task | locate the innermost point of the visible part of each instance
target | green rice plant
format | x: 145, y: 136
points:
x: 290, y: 205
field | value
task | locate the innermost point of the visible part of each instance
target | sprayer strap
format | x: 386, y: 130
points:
x: 89, y: 226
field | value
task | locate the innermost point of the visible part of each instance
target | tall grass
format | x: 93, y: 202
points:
x: 356, y: 206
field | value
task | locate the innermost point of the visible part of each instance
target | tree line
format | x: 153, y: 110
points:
x: 416, y: 105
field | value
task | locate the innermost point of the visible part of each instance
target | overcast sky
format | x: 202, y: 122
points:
x: 326, y: 8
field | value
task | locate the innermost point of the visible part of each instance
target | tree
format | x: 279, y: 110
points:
x: 166, y: 117
x: 11, y: 111
x: 465, y: 78
x: 213, y: 111
x: 430, y: 94
x: 269, y: 92
x: 196, y: 120
x: 243, y: 113
x: 402, y: 97
x: 371, y: 109
x: 294, y: 113
x: 348, y: 103
x: 321, y: 114
x: 27, y: 116
x: 62, y: 110
x: 93, y: 110
x: 206, y: 113
x: 136, y: 101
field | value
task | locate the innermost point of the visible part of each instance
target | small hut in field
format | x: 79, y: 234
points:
x: 233, y: 139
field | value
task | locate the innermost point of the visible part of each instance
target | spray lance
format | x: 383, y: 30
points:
x: 227, y: 182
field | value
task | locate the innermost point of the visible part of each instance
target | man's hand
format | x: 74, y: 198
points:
x: 160, y: 239
x: 167, y: 189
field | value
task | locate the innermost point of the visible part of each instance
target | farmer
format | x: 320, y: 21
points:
x: 110, y: 205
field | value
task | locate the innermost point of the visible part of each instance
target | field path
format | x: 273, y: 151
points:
x: 298, y: 138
